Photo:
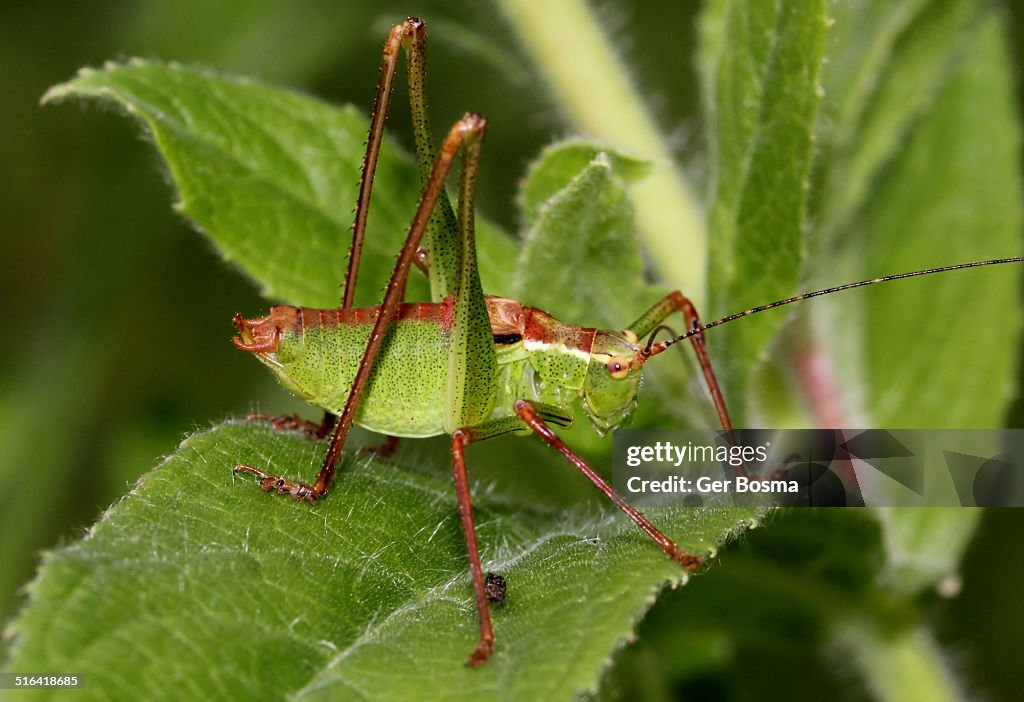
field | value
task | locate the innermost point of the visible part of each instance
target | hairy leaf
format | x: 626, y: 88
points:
x: 581, y: 260
x: 948, y: 196
x: 760, y: 64
x: 270, y: 176
x: 197, y: 583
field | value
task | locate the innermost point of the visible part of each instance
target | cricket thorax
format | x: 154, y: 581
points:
x: 558, y: 353
x: 560, y: 362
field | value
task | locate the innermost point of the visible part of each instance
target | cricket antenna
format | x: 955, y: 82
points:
x: 661, y: 346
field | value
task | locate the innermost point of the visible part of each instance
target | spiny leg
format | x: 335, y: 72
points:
x: 466, y: 131
x: 677, y: 302
x: 440, y: 239
x: 529, y: 415
x: 385, y: 86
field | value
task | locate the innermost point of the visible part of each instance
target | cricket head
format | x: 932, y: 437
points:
x: 613, y: 379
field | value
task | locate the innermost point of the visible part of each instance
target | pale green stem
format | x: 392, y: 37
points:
x: 901, y: 666
x: 583, y: 72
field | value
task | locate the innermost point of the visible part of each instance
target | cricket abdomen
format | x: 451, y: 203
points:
x: 318, y: 353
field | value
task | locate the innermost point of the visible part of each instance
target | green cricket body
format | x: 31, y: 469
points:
x: 315, y: 354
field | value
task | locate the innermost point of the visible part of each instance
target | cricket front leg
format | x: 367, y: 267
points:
x: 651, y: 321
x: 529, y: 415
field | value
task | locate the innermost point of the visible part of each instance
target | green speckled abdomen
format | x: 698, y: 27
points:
x: 319, y: 352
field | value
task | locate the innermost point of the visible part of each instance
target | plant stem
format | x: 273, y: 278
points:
x: 905, y: 665
x: 582, y: 70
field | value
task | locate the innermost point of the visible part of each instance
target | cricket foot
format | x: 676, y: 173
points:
x: 688, y: 561
x: 282, y: 486
x: 480, y: 653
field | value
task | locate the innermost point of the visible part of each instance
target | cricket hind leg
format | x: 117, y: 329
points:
x: 533, y: 420
x: 437, y: 258
x: 466, y: 133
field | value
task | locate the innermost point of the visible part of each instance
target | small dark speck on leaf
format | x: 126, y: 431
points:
x: 494, y: 588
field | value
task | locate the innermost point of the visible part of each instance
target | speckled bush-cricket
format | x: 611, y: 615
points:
x: 466, y: 364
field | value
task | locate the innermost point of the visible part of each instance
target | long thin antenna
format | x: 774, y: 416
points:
x: 827, y: 291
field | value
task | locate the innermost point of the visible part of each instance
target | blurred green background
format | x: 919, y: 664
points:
x: 118, y: 314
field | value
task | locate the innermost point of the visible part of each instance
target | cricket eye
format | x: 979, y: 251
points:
x: 617, y: 367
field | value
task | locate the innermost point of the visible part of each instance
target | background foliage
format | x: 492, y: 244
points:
x: 124, y: 311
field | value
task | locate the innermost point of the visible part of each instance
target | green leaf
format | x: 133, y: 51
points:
x: 937, y: 351
x: 560, y: 162
x: 808, y: 583
x: 197, y: 583
x: 887, y: 62
x: 924, y: 547
x: 270, y: 176
x: 581, y: 260
x: 760, y: 64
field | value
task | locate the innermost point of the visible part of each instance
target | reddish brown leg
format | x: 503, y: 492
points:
x: 385, y: 85
x: 700, y: 347
x: 526, y: 412
x: 293, y: 422
x: 460, y: 439
x: 410, y: 35
x: 677, y: 302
